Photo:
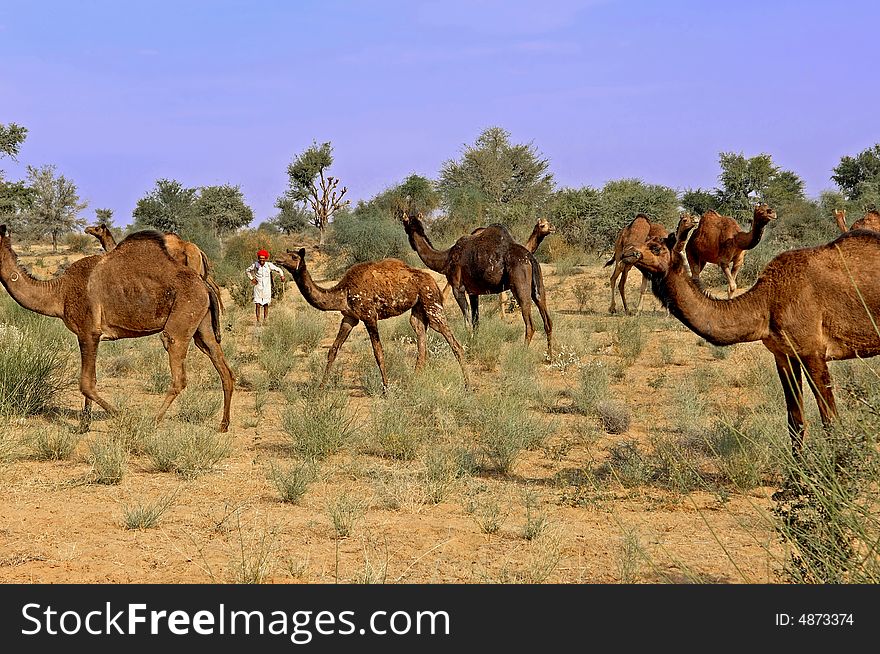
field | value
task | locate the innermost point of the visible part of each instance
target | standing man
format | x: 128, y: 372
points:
x: 260, y: 274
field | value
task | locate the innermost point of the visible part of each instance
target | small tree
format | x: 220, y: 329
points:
x: 292, y: 216
x: 104, y: 216
x: 223, y: 208
x: 859, y: 178
x: 309, y: 183
x: 169, y: 207
x: 56, y: 204
x: 15, y: 197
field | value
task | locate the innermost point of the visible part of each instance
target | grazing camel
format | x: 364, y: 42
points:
x: 373, y: 291
x: 189, y: 254
x: 486, y: 263
x: 871, y: 220
x: 542, y: 229
x: 719, y: 240
x: 639, y: 230
x: 808, y: 306
x: 136, y: 290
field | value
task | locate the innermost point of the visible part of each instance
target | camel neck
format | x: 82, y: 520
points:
x: 43, y: 297
x: 748, y: 240
x: 534, y: 240
x: 721, y: 322
x: 107, y: 242
x: 321, y: 298
x: 841, y: 222
x: 436, y: 260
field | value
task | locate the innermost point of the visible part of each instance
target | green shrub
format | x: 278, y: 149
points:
x: 293, y: 481
x: 35, y: 366
x: 188, y: 452
x: 108, y: 458
x: 146, y: 515
x: 54, y: 443
x: 318, y: 424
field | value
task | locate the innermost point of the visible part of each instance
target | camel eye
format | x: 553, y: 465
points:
x: 655, y: 249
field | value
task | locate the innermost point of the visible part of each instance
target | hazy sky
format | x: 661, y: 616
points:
x: 119, y: 94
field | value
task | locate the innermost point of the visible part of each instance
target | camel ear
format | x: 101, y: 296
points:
x: 302, y: 253
x: 3, y: 231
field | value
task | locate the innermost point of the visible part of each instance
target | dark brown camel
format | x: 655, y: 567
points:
x: 374, y: 291
x: 136, y: 290
x: 871, y: 220
x: 808, y: 306
x: 719, y: 240
x: 542, y: 229
x: 189, y: 254
x: 639, y: 230
x: 486, y: 263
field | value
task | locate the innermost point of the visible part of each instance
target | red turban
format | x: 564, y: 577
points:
x: 263, y: 253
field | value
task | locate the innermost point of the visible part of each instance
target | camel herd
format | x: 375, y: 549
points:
x: 808, y: 306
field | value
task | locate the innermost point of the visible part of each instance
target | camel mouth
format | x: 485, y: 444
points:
x: 631, y: 257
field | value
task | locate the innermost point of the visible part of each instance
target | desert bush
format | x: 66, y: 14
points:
x: 394, y: 429
x: 79, y: 242
x: 504, y: 428
x: 54, y: 443
x: 593, y: 387
x: 583, y: 294
x: 443, y: 469
x: 197, y: 407
x: 345, y: 511
x: 189, y: 451
x: 615, y: 416
x: 368, y: 235
x: 108, y: 459
x: 35, y: 366
x: 146, y: 515
x: 293, y: 481
x: 489, y: 514
x: 628, y: 465
x: 629, y: 337
x: 133, y: 429
x: 319, y: 424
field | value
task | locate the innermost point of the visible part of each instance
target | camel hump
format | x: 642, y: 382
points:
x: 147, y: 236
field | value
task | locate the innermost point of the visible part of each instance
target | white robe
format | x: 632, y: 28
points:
x: 263, y: 275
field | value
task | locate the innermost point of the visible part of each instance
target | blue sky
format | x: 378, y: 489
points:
x: 120, y: 94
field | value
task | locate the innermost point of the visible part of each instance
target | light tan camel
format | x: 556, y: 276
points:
x: 719, y: 240
x: 486, y: 263
x: 189, y: 254
x: 808, y: 306
x: 542, y: 229
x: 639, y: 230
x: 136, y: 290
x: 871, y: 220
x: 373, y: 291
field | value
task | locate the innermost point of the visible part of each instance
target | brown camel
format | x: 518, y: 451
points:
x: 542, y: 229
x: 719, y: 240
x: 871, y: 220
x: 486, y: 263
x: 373, y: 291
x: 189, y: 254
x: 136, y: 290
x: 639, y: 230
x: 808, y: 306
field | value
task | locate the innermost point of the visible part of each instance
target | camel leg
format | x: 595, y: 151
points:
x: 734, y: 268
x: 789, y: 370
x: 462, y: 300
x: 525, y: 306
x: 88, y: 380
x: 373, y: 331
x: 475, y: 309
x: 820, y: 383
x: 622, y: 286
x: 731, y: 282
x: 614, y: 275
x: 207, y: 343
x: 418, y: 320
x: 436, y: 319
x: 177, y: 348
x: 348, y: 323
x: 642, y: 292
x: 540, y: 298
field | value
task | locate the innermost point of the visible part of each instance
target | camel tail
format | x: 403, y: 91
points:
x: 537, y: 280
x: 609, y: 262
x: 215, y: 312
x: 209, y: 279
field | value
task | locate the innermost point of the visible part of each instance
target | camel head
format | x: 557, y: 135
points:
x: 764, y: 214
x: 652, y: 257
x: 544, y: 227
x: 98, y: 230
x: 292, y: 260
x: 412, y: 223
x: 686, y: 223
